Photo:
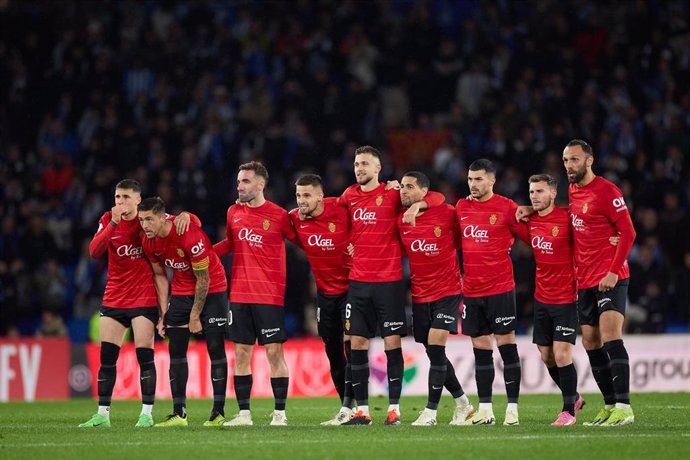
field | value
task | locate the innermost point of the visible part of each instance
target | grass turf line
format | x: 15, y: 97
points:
x: 49, y: 430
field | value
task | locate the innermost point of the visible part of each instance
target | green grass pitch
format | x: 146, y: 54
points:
x: 48, y: 430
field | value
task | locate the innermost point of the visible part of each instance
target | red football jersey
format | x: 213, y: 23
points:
x: 257, y: 238
x: 551, y: 238
x: 431, y: 251
x: 184, y: 253
x: 598, y: 212
x: 324, y: 239
x: 487, y: 230
x: 374, y: 235
x: 130, y: 280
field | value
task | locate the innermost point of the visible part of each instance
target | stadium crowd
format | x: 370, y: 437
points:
x: 177, y: 94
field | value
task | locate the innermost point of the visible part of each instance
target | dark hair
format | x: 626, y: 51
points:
x: 256, y: 166
x: 422, y: 179
x: 368, y: 149
x: 483, y: 164
x: 154, y: 204
x: 129, y: 184
x: 584, y: 145
x: 553, y: 183
x: 309, y: 179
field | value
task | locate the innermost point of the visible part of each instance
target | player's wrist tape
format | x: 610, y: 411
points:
x: 113, y: 223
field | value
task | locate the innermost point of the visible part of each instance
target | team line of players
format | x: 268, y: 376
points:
x: 354, y: 244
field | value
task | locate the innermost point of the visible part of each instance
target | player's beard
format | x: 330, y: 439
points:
x: 579, y: 175
x: 306, y: 212
x: 364, y: 180
x: 246, y: 198
x: 544, y: 204
x: 407, y: 202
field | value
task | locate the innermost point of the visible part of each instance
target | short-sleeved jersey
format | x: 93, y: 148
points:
x: 324, y: 239
x: 595, y: 209
x: 487, y: 230
x: 431, y: 249
x: 130, y: 280
x: 257, y: 238
x: 183, y: 254
x: 373, y: 233
x: 551, y: 238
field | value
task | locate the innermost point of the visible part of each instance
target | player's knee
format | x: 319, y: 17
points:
x: 274, y: 353
x: 109, y: 353
x: 359, y: 343
x: 145, y: 357
x: 563, y: 358
x: 215, y: 344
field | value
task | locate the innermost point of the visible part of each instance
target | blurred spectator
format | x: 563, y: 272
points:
x: 51, y: 325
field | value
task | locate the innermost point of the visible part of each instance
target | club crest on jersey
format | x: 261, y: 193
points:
x: 493, y: 219
x: 266, y: 224
x: 379, y: 200
x: 437, y: 231
x: 331, y: 227
x: 554, y: 231
x: 180, y: 252
x: 585, y: 207
x: 347, y: 325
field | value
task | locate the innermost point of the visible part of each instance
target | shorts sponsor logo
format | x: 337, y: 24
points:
x: 129, y: 250
x: 180, y: 266
x: 270, y: 332
x: 198, y: 248
x: 604, y: 301
x: 565, y: 331
x: 367, y: 217
x: 247, y: 234
x: 326, y: 244
x: 394, y: 326
x: 218, y: 321
x: 447, y: 319
x: 505, y: 320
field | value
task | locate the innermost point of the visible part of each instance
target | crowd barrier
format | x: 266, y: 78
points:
x: 40, y: 369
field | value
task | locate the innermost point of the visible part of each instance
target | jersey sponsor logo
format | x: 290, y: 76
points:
x: 578, y: 224
x: 505, y: 320
x: 198, y: 248
x: 473, y: 231
x: 539, y: 242
x: 423, y: 246
x: 319, y: 241
x: 367, y: 217
x: 180, y: 266
x: 129, y: 250
x: 619, y: 204
x: 247, y: 234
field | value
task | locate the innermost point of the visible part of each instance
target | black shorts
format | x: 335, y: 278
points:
x: 214, y: 315
x: 249, y: 322
x: 591, y: 303
x: 330, y: 315
x: 125, y: 316
x: 439, y: 314
x: 554, y: 323
x: 494, y: 314
x: 375, y: 305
